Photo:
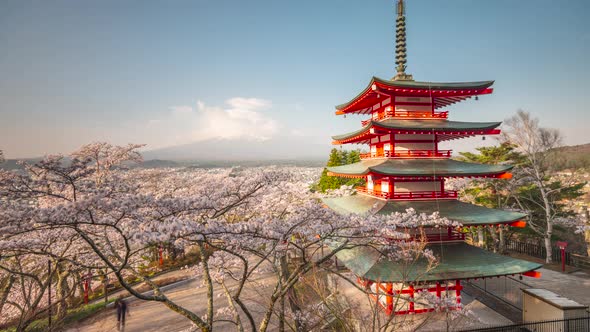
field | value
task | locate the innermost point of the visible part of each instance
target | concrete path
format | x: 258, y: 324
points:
x: 152, y: 316
x: 575, y: 286
x: 147, y: 316
x: 179, y: 274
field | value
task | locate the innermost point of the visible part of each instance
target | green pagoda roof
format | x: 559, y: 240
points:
x: 455, y: 261
x: 418, y: 167
x: 433, y: 125
x: 433, y: 85
x: 419, y: 85
x: 465, y: 213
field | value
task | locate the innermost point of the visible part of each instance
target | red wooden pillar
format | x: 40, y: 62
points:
x: 389, y: 286
x: 86, y: 288
x: 438, y: 290
x: 562, y: 245
x: 412, y: 310
x: 160, y: 255
x: 458, y: 288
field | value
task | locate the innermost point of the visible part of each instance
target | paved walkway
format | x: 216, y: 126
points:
x: 152, y: 316
x: 575, y: 286
x: 155, y: 317
x: 179, y: 274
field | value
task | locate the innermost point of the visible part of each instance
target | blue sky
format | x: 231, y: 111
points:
x: 175, y: 72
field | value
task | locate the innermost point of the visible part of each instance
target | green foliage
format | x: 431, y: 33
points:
x: 558, y: 193
x: 494, y: 155
x: 73, y: 315
x: 491, y: 193
x: 338, y: 158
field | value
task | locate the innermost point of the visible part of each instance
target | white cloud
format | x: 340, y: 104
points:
x: 240, y: 118
x: 249, y: 103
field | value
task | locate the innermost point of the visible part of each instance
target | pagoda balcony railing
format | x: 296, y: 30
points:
x: 443, y: 237
x: 408, y: 154
x: 388, y: 114
x: 449, y: 194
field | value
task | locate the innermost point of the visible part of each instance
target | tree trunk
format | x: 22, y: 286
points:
x: 480, y: 237
x: 80, y: 285
x: 61, y: 292
x: 282, y: 314
x: 105, y: 286
x: 291, y: 295
x: 502, y: 247
x: 548, y: 233
x: 548, y: 220
x: 5, y: 290
x: 549, y: 249
x: 494, y: 239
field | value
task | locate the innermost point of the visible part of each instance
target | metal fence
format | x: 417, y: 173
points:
x: 538, y: 250
x: 565, y: 325
x: 507, y: 289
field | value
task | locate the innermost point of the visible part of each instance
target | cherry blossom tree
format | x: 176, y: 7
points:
x: 88, y: 212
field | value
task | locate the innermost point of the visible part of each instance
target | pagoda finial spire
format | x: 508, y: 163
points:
x: 400, y: 44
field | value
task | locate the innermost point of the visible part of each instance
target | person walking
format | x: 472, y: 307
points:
x: 122, y: 311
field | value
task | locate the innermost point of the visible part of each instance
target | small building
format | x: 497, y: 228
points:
x: 539, y: 304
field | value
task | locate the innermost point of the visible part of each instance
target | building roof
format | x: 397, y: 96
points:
x: 455, y: 261
x: 443, y: 93
x: 430, y: 125
x: 553, y: 299
x: 418, y: 167
x: 465, y: 213
x: 434, y: 85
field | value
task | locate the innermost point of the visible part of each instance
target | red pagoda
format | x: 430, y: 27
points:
x: 405, y: 168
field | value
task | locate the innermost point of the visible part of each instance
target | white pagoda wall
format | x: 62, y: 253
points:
x: 414, y: 146
x: 421, y: 137
x: 413, y: 108
x: 402, y: 187
x: 428, y: 143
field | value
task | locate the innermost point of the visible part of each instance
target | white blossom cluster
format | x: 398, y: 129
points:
x: 90, y: 212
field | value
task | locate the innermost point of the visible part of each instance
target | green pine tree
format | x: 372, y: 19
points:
x: 338, y: 158
x: 354, y: 156
x: 334, y: 159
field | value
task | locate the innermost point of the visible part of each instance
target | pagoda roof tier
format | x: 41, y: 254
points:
x: 418, y: 168
x: 446, y: 130
x: 465, y: 213
x: 443, y: 94
x: 456, y: 261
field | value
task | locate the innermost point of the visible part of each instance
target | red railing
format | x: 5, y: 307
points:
x: 444, y: 237
x: 408, y: 115
x: 408, y: 195
x: 408, y: 154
